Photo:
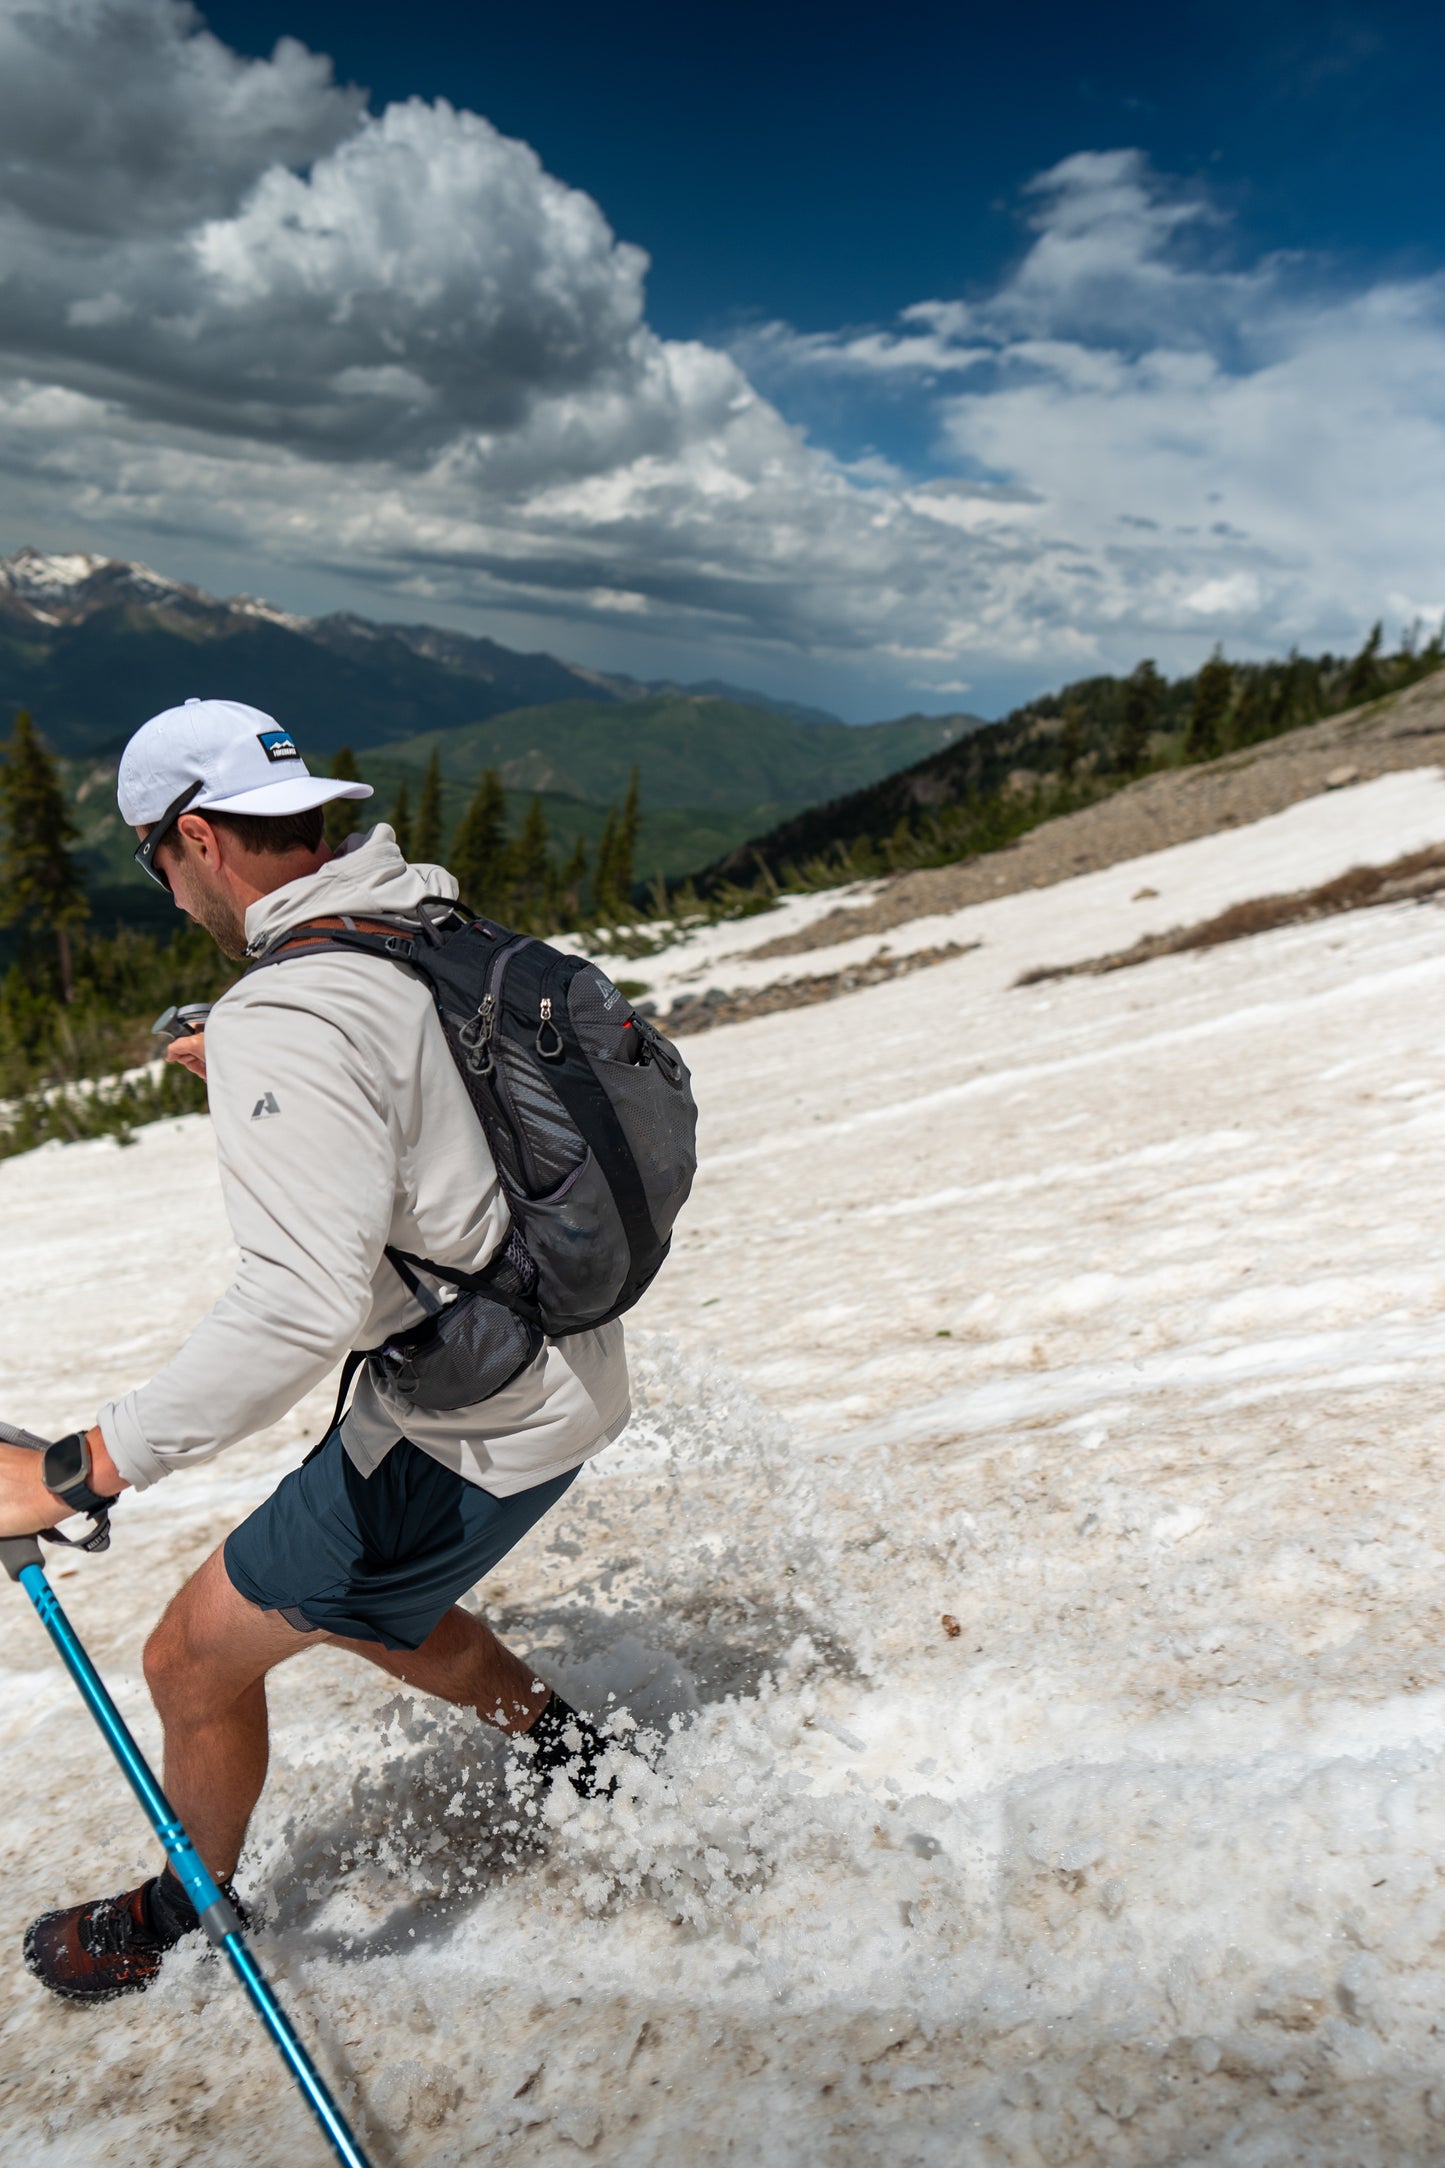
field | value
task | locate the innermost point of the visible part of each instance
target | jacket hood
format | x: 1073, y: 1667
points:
x: 367, y: 876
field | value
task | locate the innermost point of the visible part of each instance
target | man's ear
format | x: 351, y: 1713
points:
x: 197, y: 830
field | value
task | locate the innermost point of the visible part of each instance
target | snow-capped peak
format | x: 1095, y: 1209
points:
x: 254, y: 606
x: 74, y: 583
x: 34, y: 572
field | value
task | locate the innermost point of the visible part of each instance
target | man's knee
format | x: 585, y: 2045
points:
x: 165, y: 1671
x: 173, y: 1653
x: 211, y: 1644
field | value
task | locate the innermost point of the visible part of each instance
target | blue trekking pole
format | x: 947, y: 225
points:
x: 20, y: 1556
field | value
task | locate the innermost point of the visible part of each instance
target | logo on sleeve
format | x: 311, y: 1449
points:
x: 265, y: 1107
x: 277, y: 744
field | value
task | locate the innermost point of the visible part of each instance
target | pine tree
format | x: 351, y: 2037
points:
x: 39, y: 880
x: 1363, y: 678
x: 531, y: 867
x: 401, y: 820
x: 426, y: 838
x: 1213, y: 691
x: 604, y: 882
x: 624, y: 869
x: 1138, y: 719
x: 343, y: 815
x: 479, y: 846
x: 614, y: 874
x: 1303, y: 700
x: 1257, y: 706
x: 1071, y: 740
x: 574, y: 880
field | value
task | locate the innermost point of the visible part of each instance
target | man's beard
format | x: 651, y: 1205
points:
x: 222, y: 922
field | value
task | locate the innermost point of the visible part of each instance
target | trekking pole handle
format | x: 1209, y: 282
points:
x: 18, y: 1552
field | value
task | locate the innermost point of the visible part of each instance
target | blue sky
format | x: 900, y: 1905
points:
x: 893, y: 357
x: 831, y: 164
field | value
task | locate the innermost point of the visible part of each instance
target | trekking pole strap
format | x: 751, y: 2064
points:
x: 99, y: 1536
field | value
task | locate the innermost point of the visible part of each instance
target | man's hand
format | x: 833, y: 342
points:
x: 190, y: 1053
x: 26, y: 1506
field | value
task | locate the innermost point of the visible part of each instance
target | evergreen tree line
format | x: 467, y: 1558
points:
x: 76, y: 1004
x: 1058, y: 753
x: 518, y: 879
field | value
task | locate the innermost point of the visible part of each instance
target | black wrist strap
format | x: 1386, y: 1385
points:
x: 65, y: 1472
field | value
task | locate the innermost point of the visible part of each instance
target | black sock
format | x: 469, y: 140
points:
x: 568, y: 1744
x: 169, y: 1909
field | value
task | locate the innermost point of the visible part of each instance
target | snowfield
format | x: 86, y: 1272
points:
x: 1027, y: 1558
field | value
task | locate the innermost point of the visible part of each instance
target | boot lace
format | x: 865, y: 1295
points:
x: 112, y: 1930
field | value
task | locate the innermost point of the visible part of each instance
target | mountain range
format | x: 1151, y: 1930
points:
x: 93, y: 644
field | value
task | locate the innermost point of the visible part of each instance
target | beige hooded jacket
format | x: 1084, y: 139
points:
x: 341, y: 1126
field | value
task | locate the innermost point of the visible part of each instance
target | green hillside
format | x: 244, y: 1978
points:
x: 90, y: 645
x: 712, y: 772
x: 1057, y: 753
x: 691, y: 751
x: 673, y: 839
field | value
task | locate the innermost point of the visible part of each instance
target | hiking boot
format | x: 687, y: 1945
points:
x: 113, y: 1945
x: 94, y: 1952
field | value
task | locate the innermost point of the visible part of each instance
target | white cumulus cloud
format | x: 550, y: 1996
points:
x: 237, y: 309
x: 126, y: 115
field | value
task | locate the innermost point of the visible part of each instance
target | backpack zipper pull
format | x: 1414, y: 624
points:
x: 476, y: 1037
x: 553, y: 1049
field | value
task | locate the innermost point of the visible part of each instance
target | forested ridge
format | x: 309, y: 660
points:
x: 1060, y: 752
x: 78, y: 996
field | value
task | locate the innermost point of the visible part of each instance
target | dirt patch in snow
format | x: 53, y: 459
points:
x: 1406, y: 731
x: 1414, y: 879
x: 702, y: 1012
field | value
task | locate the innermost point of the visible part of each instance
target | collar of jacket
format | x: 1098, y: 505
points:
x: 367, y: 877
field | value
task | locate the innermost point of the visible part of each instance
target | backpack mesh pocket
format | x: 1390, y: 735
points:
x: 649, y: 1088
x: 463, y: 1355
x: 548, y: 1137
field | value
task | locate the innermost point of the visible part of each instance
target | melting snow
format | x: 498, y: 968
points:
x: 1309, y: 843
x: 1103, y: 1319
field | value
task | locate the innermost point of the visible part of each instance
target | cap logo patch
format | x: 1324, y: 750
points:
x: 277, y: 744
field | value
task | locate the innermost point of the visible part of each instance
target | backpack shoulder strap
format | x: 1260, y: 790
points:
x: 386, y: 937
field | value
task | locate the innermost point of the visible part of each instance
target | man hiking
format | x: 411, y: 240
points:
x: 344, y: 1129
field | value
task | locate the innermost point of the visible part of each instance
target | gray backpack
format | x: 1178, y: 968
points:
x: 589, y: 1113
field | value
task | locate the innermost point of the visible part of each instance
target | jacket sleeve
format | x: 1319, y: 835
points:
x: 308, y: 1174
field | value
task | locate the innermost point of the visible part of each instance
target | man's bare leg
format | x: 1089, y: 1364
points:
x: 206, y: 1665
x: 462, y: 1661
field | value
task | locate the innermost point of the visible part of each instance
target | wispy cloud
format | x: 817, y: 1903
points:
x: 237, y: 308
x: 1184, y: 440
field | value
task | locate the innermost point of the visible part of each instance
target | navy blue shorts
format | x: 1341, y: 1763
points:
x: 379, y: 1557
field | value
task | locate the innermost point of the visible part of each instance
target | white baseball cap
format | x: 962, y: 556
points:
x: 243, y: 761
